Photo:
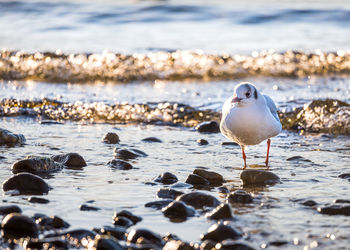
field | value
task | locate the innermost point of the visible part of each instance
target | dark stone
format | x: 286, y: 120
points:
x: 38, y: 200
x: 119, y: 164
x: 111, y: 138
x: 178, y: 211
x: 199, y: 200
x: 150, y: 236
x: 208, y: 127
x: 10, y: 139
x: 202, y: 142
x: 16, y: 226
x: 177, y: 245
x: 85, y: 207
x: 127, y: 154
x: 221, y: 231
x: 151, y: 139
x: 169, y: 236
x: 55, y: 243
x: 72, y: 160
x: 258, y: 177
x: 166, y: 178
x: 4, y: 210
x: 77, y: 234
x: 341, y: 201
x: 213, y: 177
x: 127, y: 214
x: 158, y: 204
x: 240, y: 196
x: 345, y: 176
x: 229, y: 143
x: 36, y: 165
x: 309, y: 203
x: 278, y: 243
x: 233, y: 245
x: 221, y: 212
x: 53, y: 222
x: 335, y: 210
x: 106, y: 243
x: 298, y: 158
x: 224, y: 190
x: 122, y: 221
x: 207, y: 245
x: 168, y: 193
x: 26, y: 183
x: 116, y: 231
x: 197, y: 180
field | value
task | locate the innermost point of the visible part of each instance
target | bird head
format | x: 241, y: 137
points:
x: 245, y: 93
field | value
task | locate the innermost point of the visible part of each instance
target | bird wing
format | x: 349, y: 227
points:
x: 272, y: 107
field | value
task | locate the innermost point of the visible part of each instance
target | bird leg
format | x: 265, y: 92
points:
x: 244, y: 158
x: 268, y: 151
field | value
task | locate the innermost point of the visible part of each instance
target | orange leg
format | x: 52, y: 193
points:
x: 244, y: 158
x: 268, y: 152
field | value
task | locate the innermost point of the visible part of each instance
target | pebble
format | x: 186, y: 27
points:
x: 240, y: 196
x: 335, y: 210
x: 55, y: 243
x: 221, y: 231
x: 341, y: 201
x: 345, y: 176
x: 213, y: 177
x: 309, y: 203
x: 106, y: 243
x: 199, y: 200
x: 231, y: 244
x: 116, y: 231
x: 85, y: 207
x: 122, y: 221
x: 168, y: 193
x: 10, y: 139
x: 35, y: 164
x: 177, y: 245
x: 178, y: 211
x: 229, y: 143
x: 150, y: 236
x: 111, y: 138
x: 298, y: 158
x: 197, y: 180
x: 128, y: 154
x: 166, y: 178
x: 26, y: 183
x: 4, y: 210
x: 258, y: 177
x: 72, y: 160
x: 49, y: 223
x: 202, y: 142
x: 15, y: 225
x: 208, y: 127
x: 151, y: 139
x: 221, y: 212
x: 119, y: 164
x: 158, y: 204
x: 38, y: 200
x: 127, y: 214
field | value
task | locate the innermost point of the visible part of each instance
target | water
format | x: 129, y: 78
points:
x: 72, y: 71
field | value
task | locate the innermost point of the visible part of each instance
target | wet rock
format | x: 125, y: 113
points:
x: 202, y: 142
x: 85, y: 207
x: 224, y: 190
x: 151, y: 139
x: 55, y: 243
x: 208, y: 127
x: 208, y: 245
x: 298, y: 158
x: 309, y: 203
x: 177, y: 245
x: 221, y: 212
x: 10, y: 139
x: 49, y: 223
x: 231, y: 245
x: 345, y: 176
x: 72, y: 160
x: 278, y: 243
x: 15, y: 225
x: 199, y: 200
x: 4, y: 210
x: 119, y: 164
x: 127, y: 214
x: 181, y: 185
x: 150, y: 236
x: 178, y: 211
x: 122, y: 221
x: 169, y: 236
x: 74, y: 235
x: 221, y: 231
x: 168, y: 193
x: 341, y: 201
x: 213, y: 177
x: 38, y: 200
x: 197, y: 180
x: 106, y: 243
x: 116, y: 231
x: 35, y: 164
x: 258, y: 177
x: 111, y: 138
x: 26, y: 183
x: 158, y: 204
x: 230, y: 143
x: 240, y: 196
x: 127, y: 154
x: 335, y: 210
x: 166, y: 178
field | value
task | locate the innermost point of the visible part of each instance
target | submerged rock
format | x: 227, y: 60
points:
x: 259, y: 177
x: 197, y: 180
x: 335, y: 210
x: 117, y: 232
x: 49, y: 223
x: 166, y: 178
x: 122, y: 221
x: 38, y: 200
x: 199, y: 200
x: 26, y: 183
x: 111, y: 138
x: 168, y: 193
x: 72, y: 160
x: 240, y: 196
x: 298, y: 159
x: 151, y: 139
x: 178, y: 211
x: 221, y: 212
x: 177, y: 245
x: 85, y: 207
x: 232, y: 244
x: 345, y: 176
x: 202, y: 142
x: 309, y: 203
x: 221, y: 231
x: 208, y: 245
x: 148, y: 235
x: 10, y: 139
x: 15, y: 225
x: 208, y: 127
x: 128, y: 154
x: 106, y: 243
x: 55, y: 243
x: 158, y: 204
x: 34, y: 164
x: 213, y: 177
x: 119, y: 164
x: 124, y: 213
x: 4, y: 210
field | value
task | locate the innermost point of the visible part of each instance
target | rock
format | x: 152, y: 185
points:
x: 4, y: 210
x: 55, y: 243
x: 213, y: 177
x: 168, y: 193
x: 207, y: 245
x: 35, y: 164
x: 119, y: 164
x: 26, y: 183
x: 151, y: 237
x: 124, y: 213
x: 151, y: 139
x: 116, y: 231
x: 231, y: 244
x: 240, y: 196
x: 49, y: 223
x: 106, y: 243
x: 177, y: 245
x: 10, y: 139
x: 72, y: 160
x: 221, y: 231
x: 111, y: 138
x: 298, y: 158
x: 345, y: 176
x: 158, y: 204
x: 202, y: 142
x: 335, y: 210
x: 166, y: 178
x: 208, y: 127
x: 199, y: 200
x: 122, y: 221
x: 278, y: 243
x: 341, y: 201
x: 38, y: 200
x: 197, y: 180
x: 178, y: 211
x: 230, y: 143
x: 258, y: 177
x: 16, y: 226
x: 74, y: 235
x: 309, y: 203
x: 85, y: 207
x: 221, y: 212
x: 127, y: 154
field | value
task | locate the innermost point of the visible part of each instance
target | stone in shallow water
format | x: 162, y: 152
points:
x: 168, y: 193
x: 177, y: 245
x: 335, y: 210
x: 221, y: 231
x: 10, y: 139
x: 158, y: 204
x: 72, y: 160
x: 119, y: 164
x: 208, y: 245
x: 124, y: 213
x: 202, y: 142
x: 197, y: 180
x: 240, y: 196
x: 38, y: 200
x: 85, y: 207
x: 55, y: 243
x: 166, y: 178
x: 229, y: 143
x: 232, y: 244
x: 111, y: 138
x: 122, y: 221
x: 105, y: 243
x: 345, y: 176
x: 150, y: 236
x: 128, y: 154
x: 26, y: 183
x: 116, y: 231
x: 49, y: 223
x: 15, y: 225
x: 298, y: 158
x: 35, y: 164
x: 208, y: 127
x: 178, y: 211
x: 4, y: 210
x: 221, y: 212
x: 151, y: 139
x: 199, y: 200
x: 259, y: 177
x: 213, y: 177
x: 309, y: 203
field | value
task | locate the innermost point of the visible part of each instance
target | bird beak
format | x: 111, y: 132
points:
x: 236, y: 99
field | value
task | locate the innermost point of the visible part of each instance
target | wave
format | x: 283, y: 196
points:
x: 320, y: 116
x: 177, y: 65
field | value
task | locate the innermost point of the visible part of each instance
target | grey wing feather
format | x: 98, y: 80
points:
x: 272, y: 107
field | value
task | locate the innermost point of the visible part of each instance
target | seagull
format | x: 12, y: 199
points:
x: 249, y: 117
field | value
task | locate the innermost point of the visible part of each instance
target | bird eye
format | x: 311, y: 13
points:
x: 247, y: 94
